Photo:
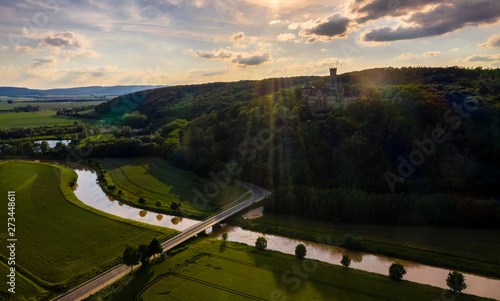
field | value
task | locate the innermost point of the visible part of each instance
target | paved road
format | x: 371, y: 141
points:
x: 111, y: 275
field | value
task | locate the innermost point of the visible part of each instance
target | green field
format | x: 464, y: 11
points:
x: 471, y: 250
x: 36, y: 119
x: 44, y: 105
x: 24, y: 286
x: 156, y: 180
x: 208, y: 270
x: 59, y: 242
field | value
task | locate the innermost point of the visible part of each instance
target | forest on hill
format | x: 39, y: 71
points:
x: 422, y: 133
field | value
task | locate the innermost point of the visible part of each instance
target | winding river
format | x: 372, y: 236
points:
x: 90, y: 193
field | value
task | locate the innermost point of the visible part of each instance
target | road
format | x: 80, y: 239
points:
x: 107, y: 277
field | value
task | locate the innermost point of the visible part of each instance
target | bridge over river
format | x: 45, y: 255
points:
x: 109, y: 276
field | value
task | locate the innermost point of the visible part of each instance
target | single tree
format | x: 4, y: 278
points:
x: 142, y: 200
x: 456, y: 281
x: 300, y: 251
x: 158, y: 204
x: 130, y: 256
x: 261, y: 243
x: 174, y: 206
x: 345, y: 261
x: 396, y: 271
x: 224, y: 236
x: 144, y: 254
x: 155, y: 247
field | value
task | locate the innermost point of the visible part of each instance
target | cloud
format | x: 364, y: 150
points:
x: 92, y: 72
x: 441, y: 19
x: 275, y: 22
x: 221, y: 54
x: 40, y: 61
x: 286, y: 37
x: 404, y: 56
x: 326, y: 28
x: 189, y: 50
x: 238, y: 37
x: 241, y: 58
x: 84, y: 53
x: 432, y: 53
x: 493, y: 41
x: 293, y: 26
x: 375, y: 9
x: 63, y: 39
x: 483, y: 58
x: 26, y: 49
x: 454, y: 49
x: 251, y: 59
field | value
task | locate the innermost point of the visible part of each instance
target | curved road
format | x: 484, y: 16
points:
x: 109, y: 276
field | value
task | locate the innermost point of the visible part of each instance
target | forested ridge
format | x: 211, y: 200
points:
x: 264, y: 128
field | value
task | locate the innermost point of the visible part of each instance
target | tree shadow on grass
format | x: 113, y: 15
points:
x: 222, y: 247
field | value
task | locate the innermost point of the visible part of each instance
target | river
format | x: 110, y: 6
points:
x: 90, y: 193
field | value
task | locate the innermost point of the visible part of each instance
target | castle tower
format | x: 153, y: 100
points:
x: 333, y: 78
x: 306, y: 90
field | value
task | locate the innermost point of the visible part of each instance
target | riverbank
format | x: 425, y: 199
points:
x: 159, y: 185
x: 468, y: 250
x: 215, y: 270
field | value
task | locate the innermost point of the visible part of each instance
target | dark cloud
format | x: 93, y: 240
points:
x: 212, y: 55
x: 375, y: 9
x: 238, y: 37
x: 62, y: 39
x: 252, y: 60
x: 441, y: 20
x: 39, y: 61
x: 205, y: 54
x: 482, y: 58
x: 334, y: 26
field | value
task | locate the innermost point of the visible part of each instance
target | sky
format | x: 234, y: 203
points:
x: 69, y: 43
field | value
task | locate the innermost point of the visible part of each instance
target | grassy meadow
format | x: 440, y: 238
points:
x: 24, y: 287
x: 59, y: 243
x: 36, y: 119
x: 209, y: 270
x: 50, y: 105
x: 157, y: 181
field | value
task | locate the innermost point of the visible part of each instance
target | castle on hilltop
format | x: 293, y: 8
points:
x: 332, y: 95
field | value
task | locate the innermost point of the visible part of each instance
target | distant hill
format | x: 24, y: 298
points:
x: 191, y: 101
x: 93, y: 90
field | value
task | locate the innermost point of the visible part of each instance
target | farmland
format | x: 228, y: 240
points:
x: 58, y: 242
x: 24, y: 286
x: 236, y: 272
x: 36, y: 119
x: 157, y: 181
x: 49, y: 105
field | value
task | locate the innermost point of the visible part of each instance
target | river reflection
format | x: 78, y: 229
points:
x: 90, y: 193
x: 416, y: 272
x: 52, y: 143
